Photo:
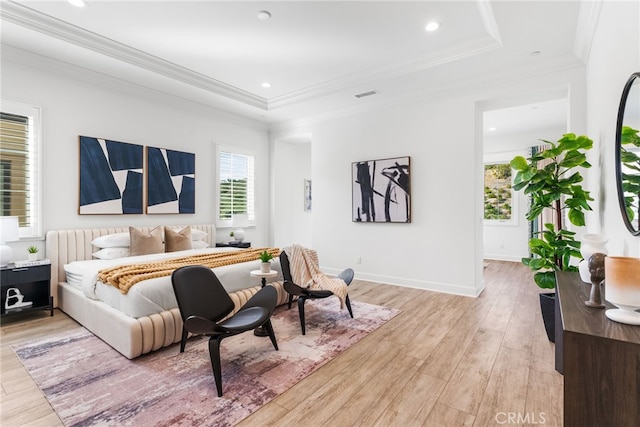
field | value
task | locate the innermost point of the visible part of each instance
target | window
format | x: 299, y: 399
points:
x: 498, y: 193
x: 20, y: 157
x: 235, y: 178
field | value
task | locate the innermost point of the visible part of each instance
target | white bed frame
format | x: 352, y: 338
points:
x: 131, y: 337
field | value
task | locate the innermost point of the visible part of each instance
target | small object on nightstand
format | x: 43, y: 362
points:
x: 15, y: 300
x: 28, y: 263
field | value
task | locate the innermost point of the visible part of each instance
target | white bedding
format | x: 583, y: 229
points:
x: 154, y: 295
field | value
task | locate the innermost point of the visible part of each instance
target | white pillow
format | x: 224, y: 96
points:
x: 199, y: 244
x: 123, y: 239
x: 112, y: 253
x: 198, y: 235
x: 112, y: 240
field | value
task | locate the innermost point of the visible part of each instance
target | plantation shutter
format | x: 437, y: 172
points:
x: 236, y: 186
x: 15, y: 165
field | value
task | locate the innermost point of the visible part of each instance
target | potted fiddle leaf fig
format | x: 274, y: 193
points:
x: 552, y: 180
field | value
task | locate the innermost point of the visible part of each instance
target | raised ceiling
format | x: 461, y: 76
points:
x: 317, y: 55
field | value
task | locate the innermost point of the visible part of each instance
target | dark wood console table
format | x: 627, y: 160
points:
x: 600, y: 360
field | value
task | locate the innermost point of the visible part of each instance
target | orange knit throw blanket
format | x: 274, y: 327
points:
x: 124, y: 277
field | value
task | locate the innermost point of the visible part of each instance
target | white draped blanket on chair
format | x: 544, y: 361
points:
x: 305, y: 272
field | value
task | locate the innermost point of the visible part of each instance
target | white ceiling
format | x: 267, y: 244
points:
x: 316, y: 54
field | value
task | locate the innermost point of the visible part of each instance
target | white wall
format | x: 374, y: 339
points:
x: 75, y: 103
x: 424, y: 253
x: 510, y: 242
x: 441, y: 249
x: 291, y: 166
x: 614, y: 56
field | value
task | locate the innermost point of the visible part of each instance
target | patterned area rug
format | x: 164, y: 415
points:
x: 89, y: 383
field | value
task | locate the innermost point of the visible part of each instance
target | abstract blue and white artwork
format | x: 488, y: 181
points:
x: 111, y: 176
x: 171, y: 177
x: 381, y: 190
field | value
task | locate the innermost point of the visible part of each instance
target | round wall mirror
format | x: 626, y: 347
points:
x: 628, y: 154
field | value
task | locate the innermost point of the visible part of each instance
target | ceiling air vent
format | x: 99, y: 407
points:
x: 363, y: 94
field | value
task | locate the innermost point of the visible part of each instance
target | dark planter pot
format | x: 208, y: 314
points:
x: 548, y: 308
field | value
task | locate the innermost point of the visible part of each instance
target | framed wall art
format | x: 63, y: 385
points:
x: 111, y: 176
x: 171, y: 177
x: 381, y: 190
x: 307, y: 195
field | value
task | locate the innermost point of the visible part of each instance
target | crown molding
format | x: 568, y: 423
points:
x: 489, y: 19
x: 61, y: 30
x: 369, y: 78
x: 53, y: 27
x: 586, y: 28
x: 463, y: 50
x: 54, y: 66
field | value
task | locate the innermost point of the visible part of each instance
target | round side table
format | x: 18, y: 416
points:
x: 259, y: 331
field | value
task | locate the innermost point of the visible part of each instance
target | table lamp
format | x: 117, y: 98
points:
x: 239, y: 221
x: 622, y: 288
x: 9, y: 232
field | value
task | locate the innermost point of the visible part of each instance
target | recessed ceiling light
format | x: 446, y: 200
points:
x: 491, y: 129
x: 78, y: 3
x: 432, y: 26
x: 264, y: 15
x: 266, y: 84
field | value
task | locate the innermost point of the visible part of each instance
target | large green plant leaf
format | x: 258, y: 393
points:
x: 556, y: 186
x: 545, y: 279
x: 519, y: 163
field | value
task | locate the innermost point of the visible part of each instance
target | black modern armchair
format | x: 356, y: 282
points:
x: 304, y: 294
x: 203, y: 303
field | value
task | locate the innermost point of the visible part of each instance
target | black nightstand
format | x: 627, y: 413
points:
x: 242, y: 244
x: 23, y: 285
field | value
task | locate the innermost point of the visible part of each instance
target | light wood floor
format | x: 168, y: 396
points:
x: 446, y: 360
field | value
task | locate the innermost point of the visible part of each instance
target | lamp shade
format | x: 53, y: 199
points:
x: 240, y: 220
x: 9, y: 229
x: 622, y: 287
x: 9, y: 232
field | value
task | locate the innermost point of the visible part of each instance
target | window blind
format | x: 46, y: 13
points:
x: 236, y: 186
x: 15, y: 166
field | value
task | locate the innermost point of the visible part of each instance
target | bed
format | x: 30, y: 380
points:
x: 134, y: 328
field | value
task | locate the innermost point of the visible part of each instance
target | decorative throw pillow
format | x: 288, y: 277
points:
x: 177, y: 241
x: 197, y: 235
x: 145, y: 243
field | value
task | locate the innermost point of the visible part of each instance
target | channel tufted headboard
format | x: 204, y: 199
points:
x: 65, y: 246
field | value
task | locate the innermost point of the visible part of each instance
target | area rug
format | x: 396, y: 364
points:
x: 89, y: 383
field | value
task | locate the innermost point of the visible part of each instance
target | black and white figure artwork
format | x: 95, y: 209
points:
x: 307, y: 195
x: 381, y: 190
x: 170, y: 181
x: 111, y: 176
